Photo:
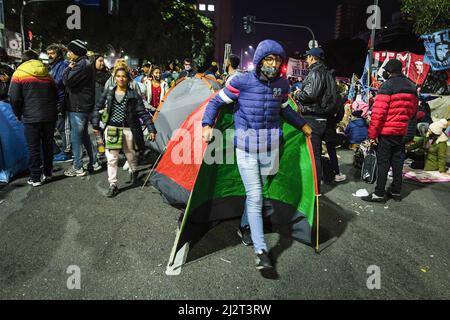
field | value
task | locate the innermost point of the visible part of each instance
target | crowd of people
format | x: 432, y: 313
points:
x: 106, y: 112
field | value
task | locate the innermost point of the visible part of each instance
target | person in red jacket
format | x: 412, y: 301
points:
x: 395, y: 104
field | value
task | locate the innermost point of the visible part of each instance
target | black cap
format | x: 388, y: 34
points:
x: 393, y: 66
x: 315, y: 52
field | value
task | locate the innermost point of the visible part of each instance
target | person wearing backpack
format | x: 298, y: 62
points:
x: 318, y: 100
x: 394, y: 106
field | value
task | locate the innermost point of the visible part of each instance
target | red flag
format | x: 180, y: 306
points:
x: 417, y: 70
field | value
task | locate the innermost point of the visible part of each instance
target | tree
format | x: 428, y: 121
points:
x: 429, y: 15
x: 155, y: 30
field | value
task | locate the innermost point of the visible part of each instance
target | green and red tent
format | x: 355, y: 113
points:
x: 215, y: 192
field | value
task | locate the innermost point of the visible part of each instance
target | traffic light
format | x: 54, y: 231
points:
x: 249, y: 24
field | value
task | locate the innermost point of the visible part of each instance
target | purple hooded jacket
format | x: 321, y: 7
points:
x: 258, y: 104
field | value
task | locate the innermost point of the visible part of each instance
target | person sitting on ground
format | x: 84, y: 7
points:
x: 123, y: 128
x: 434, y: 148
x: 357, y: 129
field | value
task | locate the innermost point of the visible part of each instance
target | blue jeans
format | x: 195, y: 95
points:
x: 254, y: 169
x: 79, y: 136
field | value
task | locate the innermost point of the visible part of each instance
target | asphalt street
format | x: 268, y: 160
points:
x: 122, y: 245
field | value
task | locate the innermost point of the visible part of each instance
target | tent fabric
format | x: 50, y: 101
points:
x: 13, y: 148
x: 440, y: 108
x: 178, y: 104
x: 217, y: 192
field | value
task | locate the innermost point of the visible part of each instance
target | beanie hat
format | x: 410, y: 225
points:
x: 357, y: 113
x: 361, y: 105
x: 438, y: 126
x: 78, y: 47
x: 393, y: 66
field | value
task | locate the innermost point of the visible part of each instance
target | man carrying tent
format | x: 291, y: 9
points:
x: 261, y: 98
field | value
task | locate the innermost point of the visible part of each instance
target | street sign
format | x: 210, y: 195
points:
x: 14, y: 44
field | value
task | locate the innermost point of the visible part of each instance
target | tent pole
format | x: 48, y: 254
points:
x: 180, y: 229
x: 153, y: 168
x: 317, y: 231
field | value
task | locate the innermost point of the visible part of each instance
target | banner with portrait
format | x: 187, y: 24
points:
x: 417, y: 70
x: 437, y: 53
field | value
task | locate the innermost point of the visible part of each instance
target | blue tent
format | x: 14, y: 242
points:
x: 13, y: 148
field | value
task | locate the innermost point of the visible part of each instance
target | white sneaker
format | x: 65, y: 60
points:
x: 340, y: 177
x: 126, y: 166
x: 34, y: 183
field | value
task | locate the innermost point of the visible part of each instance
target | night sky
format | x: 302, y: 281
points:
x: 319, y: 15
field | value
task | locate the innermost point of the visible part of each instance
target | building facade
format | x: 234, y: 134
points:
x: 220, y: 12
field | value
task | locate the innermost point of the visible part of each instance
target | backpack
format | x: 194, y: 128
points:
x: 330, y: 97
x: 369, y: 170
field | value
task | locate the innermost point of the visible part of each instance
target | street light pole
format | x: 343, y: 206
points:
x: 291, y: 26
x: 372, y: 49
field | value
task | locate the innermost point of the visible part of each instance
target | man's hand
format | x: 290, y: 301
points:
x: 152, y: 136
x: 307, y: 130
x: 207, y: 133
x: 72, y: 65
x: 373, y: 142
x: 96, y: 131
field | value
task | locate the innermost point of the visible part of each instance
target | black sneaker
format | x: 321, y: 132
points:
x: 395, y: 196
x: 263, y: 261
x: 374, y: 198
x: 112, y: 191
x: 133, y: 177
x: 245, y: 235
x: 46, y: 178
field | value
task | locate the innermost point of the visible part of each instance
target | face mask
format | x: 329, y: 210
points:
x: 385, y: 75
x: 269, y: 72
